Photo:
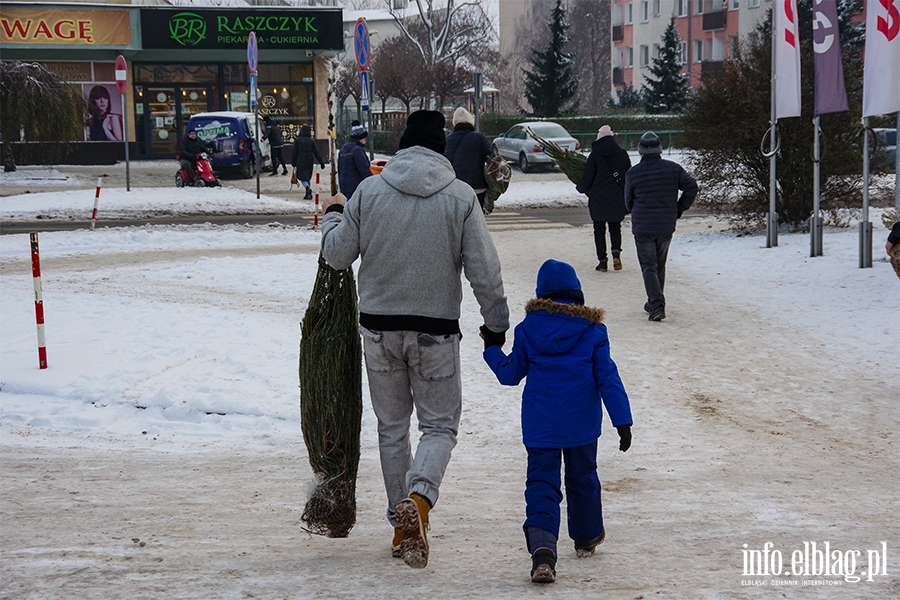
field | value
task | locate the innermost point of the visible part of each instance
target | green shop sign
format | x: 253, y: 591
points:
x: 224, y: 29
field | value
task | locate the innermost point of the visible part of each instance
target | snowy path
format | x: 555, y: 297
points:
x: 750, y: 427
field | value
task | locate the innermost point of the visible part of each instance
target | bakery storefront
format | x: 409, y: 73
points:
x: 181, y: 62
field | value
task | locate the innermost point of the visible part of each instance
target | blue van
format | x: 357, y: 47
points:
x: 232, y: 134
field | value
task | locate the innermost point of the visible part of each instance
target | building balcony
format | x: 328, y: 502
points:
x: 713, y: 21
x: 618, y: 33
x: 708, y: 67
x: 618, y: 76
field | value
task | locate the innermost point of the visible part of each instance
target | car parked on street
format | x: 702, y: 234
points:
x: 232, y: 134
x: 517, y: 146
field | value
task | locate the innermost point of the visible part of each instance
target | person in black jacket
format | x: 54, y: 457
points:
x: 191, y: 149
x: 467, y: 150
x: 603, y: 182
x: 651, y: 196
x: 305, y: 149
x: 276, y: 143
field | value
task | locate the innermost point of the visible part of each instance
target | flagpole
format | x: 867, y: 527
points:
x: 865, y: 227
x: 772, y: 216
x: 815, y: 221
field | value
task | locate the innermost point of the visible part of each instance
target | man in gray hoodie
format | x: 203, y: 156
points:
x: 416, y: 228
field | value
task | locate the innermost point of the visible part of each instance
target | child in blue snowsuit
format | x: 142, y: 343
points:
x: 563, y: 349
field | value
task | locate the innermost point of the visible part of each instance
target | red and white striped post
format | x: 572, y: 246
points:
x: 38, y: 299
x: 317, y: 177
x: 96, y: 202
x: 316, y: 219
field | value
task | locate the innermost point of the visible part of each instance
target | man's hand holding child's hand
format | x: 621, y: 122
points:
x: 491, y: 338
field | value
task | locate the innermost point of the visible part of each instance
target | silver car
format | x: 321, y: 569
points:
x: 517, y: 146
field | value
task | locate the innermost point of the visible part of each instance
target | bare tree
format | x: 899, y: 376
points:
x: 453, y: 34
x: 589, y: 38
x: 398, y: 69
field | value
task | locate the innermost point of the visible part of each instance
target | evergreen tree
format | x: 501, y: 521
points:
x: 666, y: 89
x: 551, y: 85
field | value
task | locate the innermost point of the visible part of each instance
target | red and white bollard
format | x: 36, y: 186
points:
x: 317, y: 177
x: 316, y: 218
x: 96, y: 202
x: 38, y: 299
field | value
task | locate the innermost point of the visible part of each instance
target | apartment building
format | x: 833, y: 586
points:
x: 709, y: 32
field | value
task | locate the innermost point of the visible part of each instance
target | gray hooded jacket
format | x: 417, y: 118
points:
x: 416, y: 228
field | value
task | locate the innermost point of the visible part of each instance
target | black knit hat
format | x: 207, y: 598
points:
x: 425, y: 128
x: 649, y: 144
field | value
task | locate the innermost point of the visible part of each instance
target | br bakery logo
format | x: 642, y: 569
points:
x: 815, y: 564
x: 188, y: 29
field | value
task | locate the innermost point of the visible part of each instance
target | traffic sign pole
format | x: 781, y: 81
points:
x: 252, y: 61
x: 121, y: 85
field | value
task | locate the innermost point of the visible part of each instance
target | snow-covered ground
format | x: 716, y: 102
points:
x: 160, y: 455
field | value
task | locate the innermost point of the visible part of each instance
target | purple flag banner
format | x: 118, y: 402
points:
x: 831, y: 96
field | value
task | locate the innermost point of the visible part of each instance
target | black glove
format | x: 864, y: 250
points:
x: 492, y: 338
x: 322, y: 165
x: 624, y: 437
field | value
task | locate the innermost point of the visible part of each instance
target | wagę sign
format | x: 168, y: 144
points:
x: 65, y: 27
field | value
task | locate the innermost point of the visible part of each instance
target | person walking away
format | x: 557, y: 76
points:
x: 604, y: 183
x: 651, y: 196
x: 191, y: 149
x: 562, y: 348
x: 353, y: 163
x: 416, y: 228
x: 276, y: 143
x: 305, y: 150
x: 467, y: 151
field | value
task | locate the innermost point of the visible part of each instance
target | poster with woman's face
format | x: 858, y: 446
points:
x: 104, y: 113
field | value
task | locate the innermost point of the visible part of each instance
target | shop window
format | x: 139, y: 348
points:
x: 160, y: 73
x: 235, y: 73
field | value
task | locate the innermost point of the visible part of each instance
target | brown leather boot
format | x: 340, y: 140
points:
x: 412, y: 517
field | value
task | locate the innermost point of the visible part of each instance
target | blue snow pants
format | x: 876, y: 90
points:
x: 584, y: 512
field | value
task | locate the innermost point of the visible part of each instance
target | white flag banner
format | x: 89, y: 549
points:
x: 881, y: 79
x: 786, y: 47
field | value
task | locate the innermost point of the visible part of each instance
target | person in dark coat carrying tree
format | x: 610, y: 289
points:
x: 305, y: 150
x: 651, y: 196
x: 276, y: 143
x: 353, y: 163
x: 467, y: 150
x: 604, y: 182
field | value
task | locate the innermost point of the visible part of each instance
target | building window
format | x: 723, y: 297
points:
x: 735, y: 4
x: 698, y: 50
x: 682, y: 52
x: 645, y: 56
x: 732, y: 46
x: 629, y: 13
x: 656, y: 8
x: 681, y: 8
x: 656, y: 50
x: 645, y: 11
x: 617, y: 58
x: 629, y: 57
x: 617, y: 15
x: 754, y: 3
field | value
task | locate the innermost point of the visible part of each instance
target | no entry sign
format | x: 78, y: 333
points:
x: 121, y: 74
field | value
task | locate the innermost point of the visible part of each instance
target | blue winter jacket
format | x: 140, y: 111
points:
x: 466, y: 150
x: 563, y: 349
x: 651, y: 195
x: 353, y: 167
